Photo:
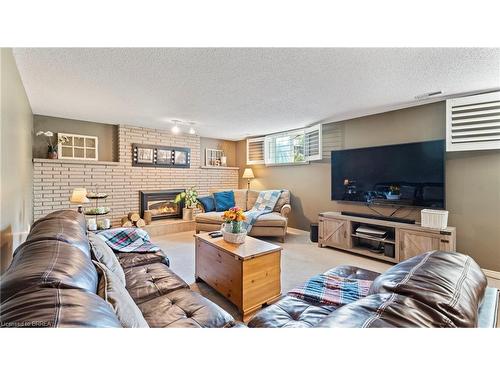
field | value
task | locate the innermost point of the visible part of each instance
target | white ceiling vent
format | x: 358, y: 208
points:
x: 473, y: 122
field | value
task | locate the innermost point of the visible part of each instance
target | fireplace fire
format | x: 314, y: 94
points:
x: 161, y: 204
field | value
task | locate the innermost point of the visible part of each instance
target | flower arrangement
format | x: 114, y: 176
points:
x: 52, y: 151
x: 234, y: 218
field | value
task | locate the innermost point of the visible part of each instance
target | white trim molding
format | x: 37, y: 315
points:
x: 492, y: 274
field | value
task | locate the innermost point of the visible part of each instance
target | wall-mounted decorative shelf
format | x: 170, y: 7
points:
x: 214, y: 167
x: 74, y: 161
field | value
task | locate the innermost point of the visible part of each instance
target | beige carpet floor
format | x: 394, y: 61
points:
x: 300, y: 259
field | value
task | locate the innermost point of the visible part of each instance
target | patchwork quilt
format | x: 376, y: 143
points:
x: 331, y: 289
x: 264, y: 204
x: 128, y: 240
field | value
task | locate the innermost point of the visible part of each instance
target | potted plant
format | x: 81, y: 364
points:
x: 189, y: 197
x: 52, y: 149
x: 233, y: 229
x: 394, y: 192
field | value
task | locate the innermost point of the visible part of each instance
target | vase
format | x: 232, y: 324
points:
x: 233, y: 232
x: 223, y: 161
x: 52, y: 153
x: 187, y: 214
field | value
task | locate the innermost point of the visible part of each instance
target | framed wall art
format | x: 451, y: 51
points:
x: 160, y: 156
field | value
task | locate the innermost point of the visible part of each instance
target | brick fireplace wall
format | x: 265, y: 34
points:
x: 54, y: 180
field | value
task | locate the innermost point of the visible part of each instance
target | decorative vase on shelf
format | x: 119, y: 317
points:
x: 223, y: 161
x: 52, y: 152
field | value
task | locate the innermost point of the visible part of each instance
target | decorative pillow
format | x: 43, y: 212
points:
x: 208, y: 203
x: 112, y: 290
x: 224, y: 200
x: 105, y: 255
x: 240, y: 198
x: 283, y: 199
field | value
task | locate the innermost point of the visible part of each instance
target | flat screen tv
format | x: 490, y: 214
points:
x: 410, y: 174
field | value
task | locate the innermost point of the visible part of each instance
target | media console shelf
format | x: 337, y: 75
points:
x: 402, y: 241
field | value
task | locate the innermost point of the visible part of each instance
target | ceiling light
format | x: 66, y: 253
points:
x: 192, y: 131
x: 175, y: 129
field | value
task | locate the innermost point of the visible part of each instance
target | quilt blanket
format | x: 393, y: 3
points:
x: 264, y: 204
x: 128, y: 240
x: 330, y: 289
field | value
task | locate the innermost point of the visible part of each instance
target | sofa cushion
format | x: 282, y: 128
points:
x: 105, y: 255
x: 112, y: 290
x: 386, y: 310
x: 48, y: 262
x: 271, y: 219
x: 184, y: 308
x: 283, y: 199
x: 128, y: 260
x: 290, y: 312
x: 449, y: 282
x: 151, y: 281
x: 224, y: 200
x: 208, y: 203
x: 240, y: 198
x: 252, y: 196
x: 47, y: 306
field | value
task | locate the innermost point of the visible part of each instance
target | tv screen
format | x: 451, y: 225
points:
x: 410, y: 174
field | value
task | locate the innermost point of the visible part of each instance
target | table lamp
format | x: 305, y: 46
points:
x: 79, y: 196
x: 248, y: 174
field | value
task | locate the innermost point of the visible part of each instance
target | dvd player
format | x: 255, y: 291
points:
x: 378, y: 217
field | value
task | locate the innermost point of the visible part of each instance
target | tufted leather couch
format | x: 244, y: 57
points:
x: 435, y: 289
x: 52, y: 282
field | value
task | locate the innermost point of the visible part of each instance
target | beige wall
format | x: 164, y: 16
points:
x: 472, y: 178
x: 16, y: 168
x: 107, y: 134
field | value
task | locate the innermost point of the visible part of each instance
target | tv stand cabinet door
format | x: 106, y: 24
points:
x: 334, y: 232
x: 412, y: 243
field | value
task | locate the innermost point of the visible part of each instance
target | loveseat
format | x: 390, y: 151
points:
x: 434, y: 289
x: 53, y: 282
x: 273, y: 224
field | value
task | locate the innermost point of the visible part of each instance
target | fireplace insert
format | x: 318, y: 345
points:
x: 161, y: 204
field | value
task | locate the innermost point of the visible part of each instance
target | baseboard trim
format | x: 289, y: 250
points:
x: 492, y: 274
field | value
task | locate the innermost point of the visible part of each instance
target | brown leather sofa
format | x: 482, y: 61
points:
x: 273, y: 224
x: 52, y: 282
x: 435, y: 289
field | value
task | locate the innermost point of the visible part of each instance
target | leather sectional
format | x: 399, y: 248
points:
x: 434, y: 289
x: 52, y: 282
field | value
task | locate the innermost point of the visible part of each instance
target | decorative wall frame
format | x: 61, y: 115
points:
x: 160, y: 156
x: 78, y: 147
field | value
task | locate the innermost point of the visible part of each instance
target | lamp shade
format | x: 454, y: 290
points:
x: 79, y: 195
x: 248, y: 173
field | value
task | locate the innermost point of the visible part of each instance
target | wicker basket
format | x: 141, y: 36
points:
x: 233, y: 237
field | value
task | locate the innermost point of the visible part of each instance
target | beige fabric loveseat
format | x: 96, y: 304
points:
x: 273, y: 224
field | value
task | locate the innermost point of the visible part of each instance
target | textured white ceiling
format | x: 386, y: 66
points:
x: 232, y: 93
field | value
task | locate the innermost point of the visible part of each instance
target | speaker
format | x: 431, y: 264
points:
x: 314, y: 232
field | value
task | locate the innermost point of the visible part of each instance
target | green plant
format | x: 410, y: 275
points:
x: 189, y: 197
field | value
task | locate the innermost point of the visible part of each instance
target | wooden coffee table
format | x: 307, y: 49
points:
x: 248, y: 274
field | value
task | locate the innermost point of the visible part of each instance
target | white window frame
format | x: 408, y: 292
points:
x: 312, y: 129
x: 255, y: 140
x: 60, y: 146
x: 267, y: 151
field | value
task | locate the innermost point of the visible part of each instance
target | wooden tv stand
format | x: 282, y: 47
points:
x: 403, y: 241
